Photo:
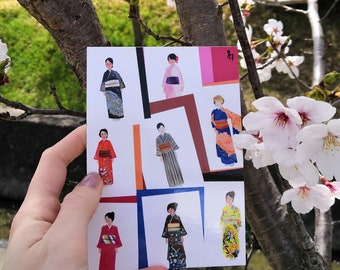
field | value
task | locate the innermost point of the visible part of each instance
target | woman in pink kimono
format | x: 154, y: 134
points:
x: 108, y: 243
x: 105, y: 154
x: 173, y: 84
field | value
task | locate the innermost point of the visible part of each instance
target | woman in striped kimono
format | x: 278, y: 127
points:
x: 165, y: 149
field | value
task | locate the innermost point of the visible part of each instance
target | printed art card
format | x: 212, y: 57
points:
x: 160, y: 127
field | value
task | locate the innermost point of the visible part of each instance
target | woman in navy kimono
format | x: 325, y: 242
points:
x: 173, y: 233
x: 112, y: 85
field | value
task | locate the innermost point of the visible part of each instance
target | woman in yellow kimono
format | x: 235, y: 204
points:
x: 230, y: 223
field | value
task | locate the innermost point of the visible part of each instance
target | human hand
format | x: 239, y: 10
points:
x: 45, y: 233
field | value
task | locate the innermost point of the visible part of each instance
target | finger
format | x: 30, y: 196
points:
x: 73, y: 218
x: 41, y: 204
x: 79, y: 205
x: 48, y: 180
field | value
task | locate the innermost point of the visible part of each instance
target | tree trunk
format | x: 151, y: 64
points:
x: 280, y: 233
x: 323, y: 220
x: 323, y: 235
x: 318, y: 42
x: 74, y: 25
x: 201, y: 22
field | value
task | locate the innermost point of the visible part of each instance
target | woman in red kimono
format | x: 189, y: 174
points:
x: 108, y: 243
x: 105, y: 155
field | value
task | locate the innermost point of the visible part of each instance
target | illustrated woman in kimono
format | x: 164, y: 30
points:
x: 173, y: 84
x: 108, y: 243
x: 165, y: 149
x: 112, y: 85
x: 230, y: 223
x: 173, y: 233
x: 219, y: 120
x: 105, y: 155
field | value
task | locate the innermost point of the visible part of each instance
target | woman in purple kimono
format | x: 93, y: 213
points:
x: 165, y: 149
x: 112, y: 85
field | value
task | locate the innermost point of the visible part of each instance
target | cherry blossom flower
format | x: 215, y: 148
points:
x: 246, y: 6
x: 292, y: 170
x: 277, y: 123
x: 289, y: 65
x: 304, y: 198
x: 334, y: 187
x: 311, y: 111
x: 255, y: 149
x: 3, y: 54
x: 321, y: 144
x: 279, y: 45
x: 302, y: 172
x: 273, y: 27
x: 265, y: 73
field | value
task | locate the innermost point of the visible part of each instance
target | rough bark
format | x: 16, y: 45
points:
x: 281, y: 233
x: 74, y: 25
x: 201, y: 22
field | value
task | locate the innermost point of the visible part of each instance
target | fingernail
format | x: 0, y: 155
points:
x: 90, y: 180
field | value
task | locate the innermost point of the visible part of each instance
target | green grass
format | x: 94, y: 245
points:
x: 37, y: 62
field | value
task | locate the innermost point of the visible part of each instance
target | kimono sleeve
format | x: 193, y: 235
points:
x: 121, y: 82
x: 118, y: 241
x: 174, y: 145
x: 183, y: 231
x: 96, y: 155
x: 166, y: 74
x: 235, y: 119
x: 112, y: 151
x: 102, y: 85
x: 100, y: 243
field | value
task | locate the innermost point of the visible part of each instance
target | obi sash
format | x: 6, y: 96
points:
x: 172, y: 80
x: 104, y: 153
x: 164, y: 147
x: 112, y: 83
x: 174, y: 227
x: 221, y: 124
x: 109, y: 239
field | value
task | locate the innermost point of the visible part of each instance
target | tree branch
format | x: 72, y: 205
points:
x: 157, y: 37
x: 329, y: 10
x: 27, y: 111
x: 246, y: 49
x: 285, y: 7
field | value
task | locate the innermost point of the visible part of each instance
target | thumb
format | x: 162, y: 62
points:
x: 79, y: 205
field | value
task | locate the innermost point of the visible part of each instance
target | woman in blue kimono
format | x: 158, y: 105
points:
x: 219, y: 121
x: 112, y: 85
x: 173, y: 233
